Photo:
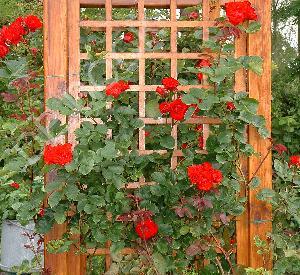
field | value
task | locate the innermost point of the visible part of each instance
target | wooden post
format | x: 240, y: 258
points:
x: 242, y: 222
x: 76, y: 264
x: 56, y: 67
x: 259, y: 44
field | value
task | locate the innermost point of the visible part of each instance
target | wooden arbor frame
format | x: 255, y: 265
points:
x: 62, y: 75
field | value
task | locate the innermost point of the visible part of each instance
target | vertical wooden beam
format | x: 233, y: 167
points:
x: 142, y: 79
x: 76, y: 263
x: 174, y: 29
x: 109, y: 74
x: 242, y: 222
x: 142, y: 72
x: 259, y: 44
x: 55, y: 70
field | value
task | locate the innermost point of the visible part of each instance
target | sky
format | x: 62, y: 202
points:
x: 290, y: 31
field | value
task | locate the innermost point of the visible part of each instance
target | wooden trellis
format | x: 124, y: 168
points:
x: 62, y: 75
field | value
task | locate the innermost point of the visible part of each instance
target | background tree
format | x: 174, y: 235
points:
x: 285, y: 52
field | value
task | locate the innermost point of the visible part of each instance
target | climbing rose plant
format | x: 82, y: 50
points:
x: 185, y: 215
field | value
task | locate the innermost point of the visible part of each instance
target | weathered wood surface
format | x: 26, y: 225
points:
x: 242, y: 223
x: 148, y: 3
x: 56, y: 68
x: 260, y: 88
x: 134, y: 3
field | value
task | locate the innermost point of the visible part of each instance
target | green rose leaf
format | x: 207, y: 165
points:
x: 253, y: 27
x: 160, y: 263
x: 54, y: 185
x: 55, y: 198
x: 167, y: 142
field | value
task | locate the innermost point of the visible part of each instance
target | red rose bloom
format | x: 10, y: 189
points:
x: 128, y: 37
x: 164, y: 107
x: 170, y: 83
x: 204, y: 176
x: 202, y: 63
x: 13, y: 34
x: 15, y: 185
x: 124, y: 85
x: 116, y: 88
x: 230, y: 106
x: 161, y: 91
x: 146, y: 229
x: 147, y: 134
x: 33, y: 23
x: 200, y: 77
x: 178, y: 109
x: 280, y: 148
x: 217, y: 176
x: 239, y: 12
x: 61, y: 154
x: 194, y: 15
x: 4, y: 50
x: 41, y: 212
x: 295, y: 161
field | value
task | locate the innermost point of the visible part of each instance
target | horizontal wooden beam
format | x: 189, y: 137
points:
x: 148, y: 3
x: 137, y: 88
x: 146, y: 24
x: 106, y: 251
x: 196, y: 120
x: 134, y: 3
x: 165, y: 121
x: 149, y: 55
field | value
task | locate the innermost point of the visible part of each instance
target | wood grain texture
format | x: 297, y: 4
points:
x: 55, y: 70
x: 165, y: 55
x: 133, y: 3
x: 242, y: 222
x: 76, y: 263
x: 142, y: 78
x: 147, y: 24
x: 174, y: 73
x: 148, y: 3
x: 260, y: 88
x: 136, y: 88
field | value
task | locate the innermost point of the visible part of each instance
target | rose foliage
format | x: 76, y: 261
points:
x: 183, y: 215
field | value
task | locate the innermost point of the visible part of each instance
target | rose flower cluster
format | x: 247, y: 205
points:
x: 239, y: 12
x: 116, y: 88
x: 13, y: 34
x: 176, y: 108
x: 60, y: 154
x: 204, y: 176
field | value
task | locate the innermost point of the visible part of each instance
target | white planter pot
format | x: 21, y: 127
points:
x: 13, y: 242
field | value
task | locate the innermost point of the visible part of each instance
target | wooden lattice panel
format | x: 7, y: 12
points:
x: 62, y: 74
x: 208, y: 12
